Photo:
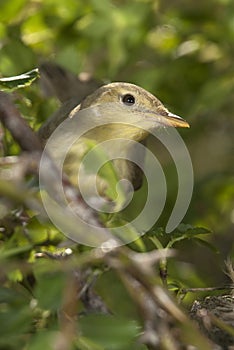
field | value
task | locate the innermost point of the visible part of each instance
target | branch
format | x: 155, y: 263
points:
x: 18, y: 127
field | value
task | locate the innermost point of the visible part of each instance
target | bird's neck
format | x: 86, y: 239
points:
x: 113, y: 131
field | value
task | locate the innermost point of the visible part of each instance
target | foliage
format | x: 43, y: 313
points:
x: 181, y: 51
x: 22, y: 80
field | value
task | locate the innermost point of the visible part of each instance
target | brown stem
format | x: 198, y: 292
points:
x: 18, y: 127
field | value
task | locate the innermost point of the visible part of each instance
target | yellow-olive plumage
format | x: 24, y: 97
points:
x: 112, y: 100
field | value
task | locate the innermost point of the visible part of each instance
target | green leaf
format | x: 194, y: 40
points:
x: 11, y: 297
x: 206, y: 244
x: 15, y: 317
x: 185, y: 231
x: 43, y: 340
x: 192, y: 230
x: 9, y: 10
x: 112, y: 333
x: 49, y: 290
x: 7, y: 253
x: 84, y: 343
x: 19, y: 81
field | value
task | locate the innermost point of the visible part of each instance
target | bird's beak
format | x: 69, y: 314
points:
x: 176, y: 121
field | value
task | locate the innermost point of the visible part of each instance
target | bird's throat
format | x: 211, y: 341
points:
x: 108, y: 132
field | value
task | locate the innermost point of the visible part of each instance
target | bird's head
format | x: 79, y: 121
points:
x: 135, y: 105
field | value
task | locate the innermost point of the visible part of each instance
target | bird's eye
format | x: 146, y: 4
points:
x: 128, y: 100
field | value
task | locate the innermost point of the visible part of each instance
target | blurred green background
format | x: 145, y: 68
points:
x: 181, y: 51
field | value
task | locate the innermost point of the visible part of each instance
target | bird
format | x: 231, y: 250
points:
x: 142, y: 112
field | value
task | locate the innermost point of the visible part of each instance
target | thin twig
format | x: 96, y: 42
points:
x: 206, y: 289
